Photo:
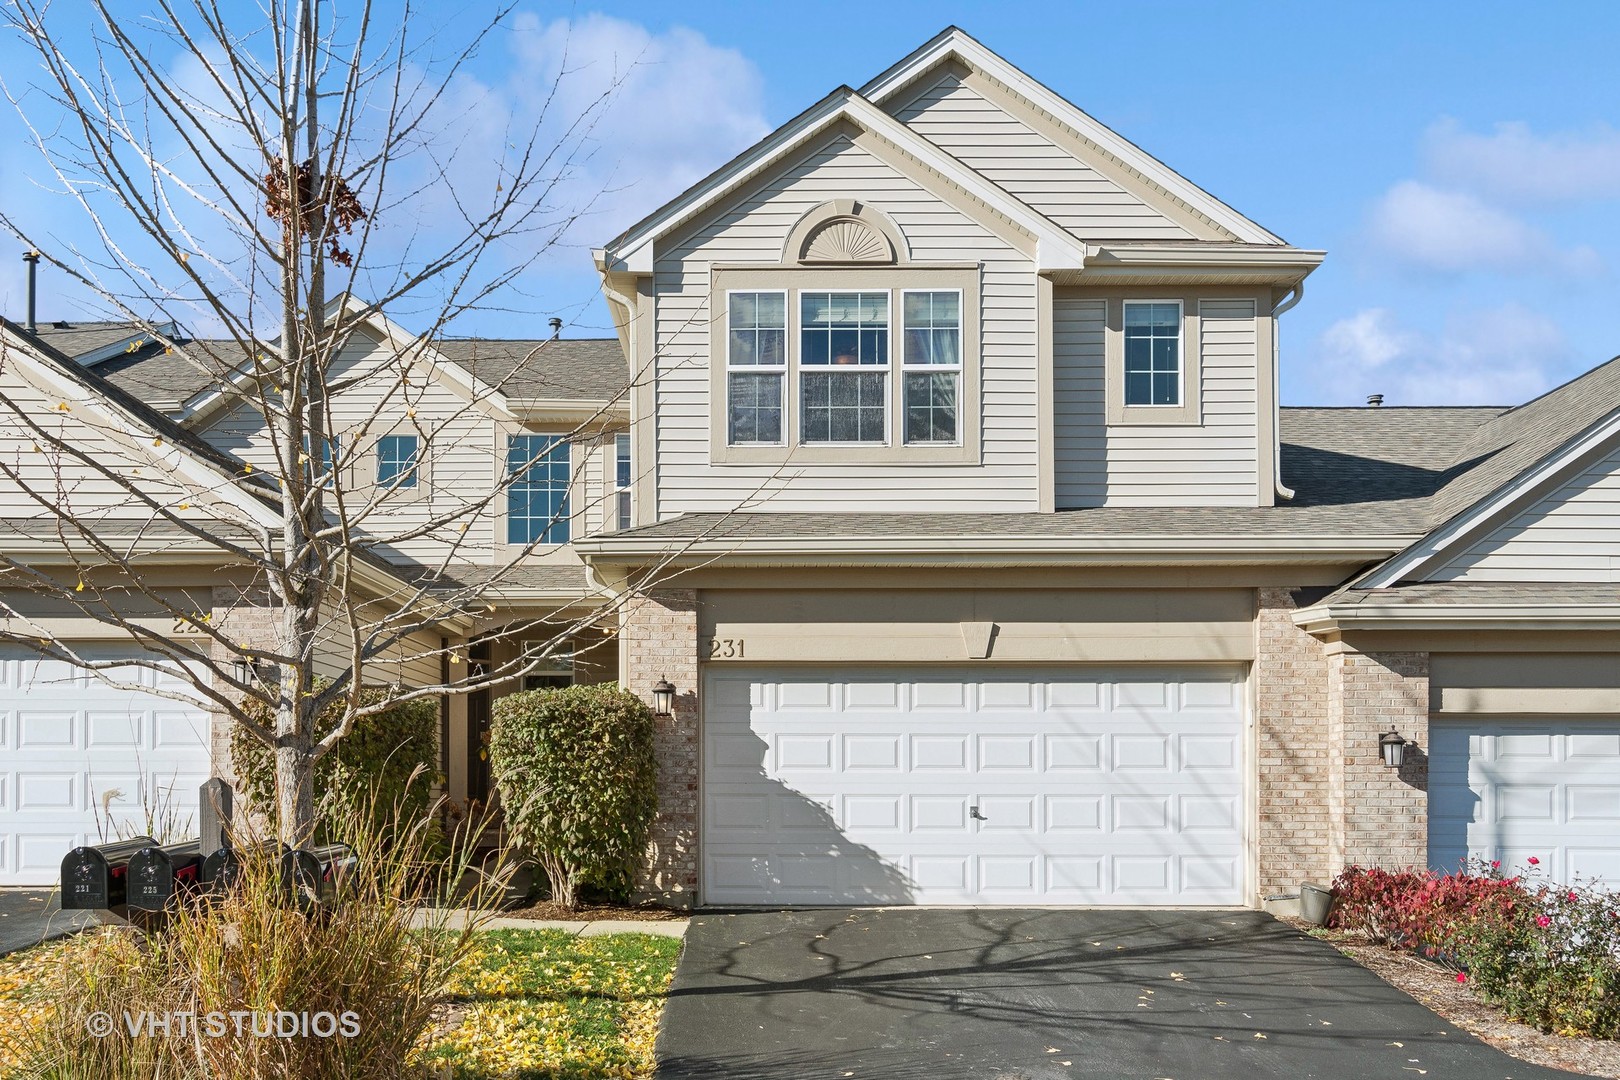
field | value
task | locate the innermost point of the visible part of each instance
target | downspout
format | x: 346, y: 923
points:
x: 1293, y: 297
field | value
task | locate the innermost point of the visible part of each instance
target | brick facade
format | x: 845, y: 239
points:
x: 1383, y: 817
x: 1295, y: 752
x: 249, y: 624
x: 660, y: 642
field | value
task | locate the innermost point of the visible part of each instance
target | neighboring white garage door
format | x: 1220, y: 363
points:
x: 66, y: 740
x: 1512, y: 789
x: 989, y: 786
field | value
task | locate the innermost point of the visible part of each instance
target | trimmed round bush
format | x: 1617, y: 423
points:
x: 382, y: 772
x: 578, y: 783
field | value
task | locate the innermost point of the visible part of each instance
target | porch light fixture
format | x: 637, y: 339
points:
x: 664, y: 698
x: 1393, y: 748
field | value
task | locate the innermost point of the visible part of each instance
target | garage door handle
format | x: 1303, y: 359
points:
x: 973, y: 812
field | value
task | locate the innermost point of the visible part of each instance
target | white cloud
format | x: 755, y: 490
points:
x: 1491, y: 356
x: 1516, y: 164
x: 1453, y: 231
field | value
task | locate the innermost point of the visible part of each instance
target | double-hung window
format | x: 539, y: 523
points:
x: 621, y: 481
x: 1153, y: 353
x: 931, y: 364
x: 397, y: 461
x: 756, y: 367
x: 537, y: 491
x: 843, y: 367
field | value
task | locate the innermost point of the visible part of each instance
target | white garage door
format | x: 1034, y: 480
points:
x: 68, y: 742
x: 989, y: 786
x: 1512, y: 789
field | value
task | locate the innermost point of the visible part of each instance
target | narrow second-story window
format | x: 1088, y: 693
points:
x: 537, y: 492
x: 843, y: 366
x: 621, y: 480
x: 397, y: 461
x: 931, y: 364
x: 756, y: 365
x: 1153, y: 353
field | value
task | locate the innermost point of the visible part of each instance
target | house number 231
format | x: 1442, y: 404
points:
x: 725, y: 649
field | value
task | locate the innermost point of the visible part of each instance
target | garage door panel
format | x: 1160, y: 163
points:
x: 70, y: 740
x: 1513, y: 790
x: 1086, y: 792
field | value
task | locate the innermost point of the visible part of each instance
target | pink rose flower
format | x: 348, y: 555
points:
x: 1461, y: 977
x: 1533, y: 861
x: 1543, y: 921
x: 1496, y: 864
x: 1572, y: 895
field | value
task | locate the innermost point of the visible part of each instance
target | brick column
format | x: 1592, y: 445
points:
x: 1383, y: 814
x: 1294, y: 748
x: 660, y: 642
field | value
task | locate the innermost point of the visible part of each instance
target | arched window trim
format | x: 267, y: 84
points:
x: 828, y: 213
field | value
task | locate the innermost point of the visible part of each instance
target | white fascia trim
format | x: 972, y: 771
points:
x: 118, y: 348
x: 946, y: 550
x: 1436, y: 547
x: 1057, y: 250
x: 965, y: 48
x: 1458, y: 617
x: 207, y: 478
x: 1268, y: 257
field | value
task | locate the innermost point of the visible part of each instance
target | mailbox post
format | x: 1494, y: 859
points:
x: 157, y: 873
x: 97, y: 878
x: 314, y: 875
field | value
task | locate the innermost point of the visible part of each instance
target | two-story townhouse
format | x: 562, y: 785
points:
x: 962, y: 513
x: 1009, y: 582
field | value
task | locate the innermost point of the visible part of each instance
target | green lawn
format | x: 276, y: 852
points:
x: 546, y: 1005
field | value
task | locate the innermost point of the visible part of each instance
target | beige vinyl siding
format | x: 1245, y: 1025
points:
x: 62, y: 485
x: 1572, y: 535
x: 1078, y: 421
x: 1212, y: 463
x: 1003, y: 148
x: 754, y: 231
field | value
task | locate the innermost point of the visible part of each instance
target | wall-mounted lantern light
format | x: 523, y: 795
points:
x: 664, y: 698
x: 251, y: 670
x: 1393, y: 748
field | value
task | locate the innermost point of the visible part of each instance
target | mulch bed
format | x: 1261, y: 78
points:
x: 550, y: 910
x: 1438, y: 989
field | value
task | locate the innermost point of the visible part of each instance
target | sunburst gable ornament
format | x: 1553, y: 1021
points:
x: 848, y: 241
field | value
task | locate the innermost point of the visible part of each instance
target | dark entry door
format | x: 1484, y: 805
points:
x: 478, y: 723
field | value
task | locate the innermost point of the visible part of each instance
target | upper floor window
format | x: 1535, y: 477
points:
x: 537, y: 491
x: 621, y: 480
x: 1153, y: 353
x: 397, y: 460
x: 756, y: 363
x: 843, y: 366
x: 931, y: 363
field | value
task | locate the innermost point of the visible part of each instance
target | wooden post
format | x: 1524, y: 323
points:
x: 214, y: 815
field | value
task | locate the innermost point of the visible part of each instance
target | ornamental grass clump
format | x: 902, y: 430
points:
x: 578, y: 783
x: 346, y: 989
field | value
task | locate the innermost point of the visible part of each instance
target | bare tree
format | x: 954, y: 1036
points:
x: 262, y: 182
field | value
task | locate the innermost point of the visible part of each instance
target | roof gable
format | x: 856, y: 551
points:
x: 1088, y: 140
x: 892, y: 141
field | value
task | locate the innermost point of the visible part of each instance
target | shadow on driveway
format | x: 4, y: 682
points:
x: 938, y: 994
x: 29, y: 916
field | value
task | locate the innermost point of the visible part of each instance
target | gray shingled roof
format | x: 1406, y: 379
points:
x: 1505, y: 593
x: 515, y: 579
x: 78, y: 338
x: 570, y: 369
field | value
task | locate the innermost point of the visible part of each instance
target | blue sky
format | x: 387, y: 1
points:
x: 1459, y: 162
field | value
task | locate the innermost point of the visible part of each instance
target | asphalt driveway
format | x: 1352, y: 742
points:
x: 29, y: 916
x: 943, y: 994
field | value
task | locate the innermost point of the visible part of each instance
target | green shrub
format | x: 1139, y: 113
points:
x: 578, y: 782
x: 1548, y: 955
x: 381, y: 772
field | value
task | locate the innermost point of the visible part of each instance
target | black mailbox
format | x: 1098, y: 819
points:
x: 156, y: 873
x: 97, y: 878
x: 220, y: 870
x: 313, y: 875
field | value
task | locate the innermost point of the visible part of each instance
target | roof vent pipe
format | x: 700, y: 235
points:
x: 556, y: 327
x: 1375, y: 400
x: 32, y: 259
